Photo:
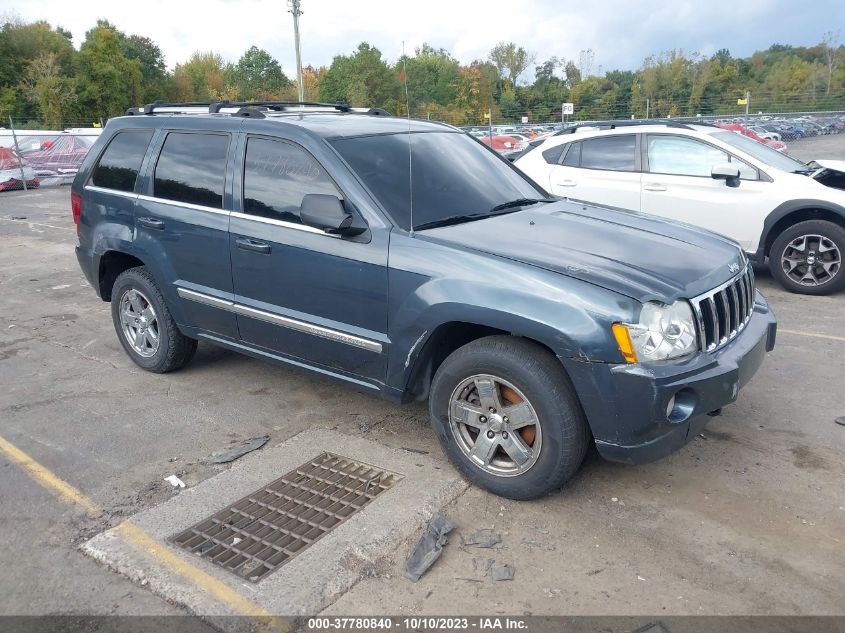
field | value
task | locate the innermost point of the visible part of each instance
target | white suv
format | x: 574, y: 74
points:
x: 773, y: 205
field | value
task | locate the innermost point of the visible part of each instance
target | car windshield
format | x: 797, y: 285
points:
x: 763, y: 153
x: 454, y: 177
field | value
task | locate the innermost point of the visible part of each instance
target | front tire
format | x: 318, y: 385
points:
x: 806, y: 258
x: 145, y: 326
x: 507, y: 416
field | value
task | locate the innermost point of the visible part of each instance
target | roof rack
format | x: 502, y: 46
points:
x: 612, y: 125
x: 251, y: 109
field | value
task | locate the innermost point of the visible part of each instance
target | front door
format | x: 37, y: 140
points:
x: 299, y: 291
x: 677, y: 185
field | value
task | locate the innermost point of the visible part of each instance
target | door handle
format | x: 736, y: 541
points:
x: 654, y: 186
x: 255, y: 246
x: 151, y: 223
x: 567, y: 183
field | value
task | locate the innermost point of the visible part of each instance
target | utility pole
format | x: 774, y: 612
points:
x: 647, y: 104
x: 293, y: 8
x: 747, y: 101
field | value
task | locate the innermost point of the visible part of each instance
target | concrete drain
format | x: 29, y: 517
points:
x: 264, y: 530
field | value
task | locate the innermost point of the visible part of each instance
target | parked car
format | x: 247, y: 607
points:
x: 57, y: 156
x: 506, y: 145
x: 711, y: 177
x: 741, y: 129
x: 11, y: 166
x: 533, y: 326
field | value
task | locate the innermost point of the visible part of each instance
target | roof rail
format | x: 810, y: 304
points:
x: 612, y: 125
x: 255, y: 109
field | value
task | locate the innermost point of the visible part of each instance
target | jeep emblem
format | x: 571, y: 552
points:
x: 734, y: 267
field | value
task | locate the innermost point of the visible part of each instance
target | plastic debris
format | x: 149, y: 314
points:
x: 484, y: 539
x: 175, y: 481
x: 230, y: 455
x: 429, y: 547
x: 501, y: 571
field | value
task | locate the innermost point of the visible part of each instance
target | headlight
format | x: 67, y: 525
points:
x: 663, y: 332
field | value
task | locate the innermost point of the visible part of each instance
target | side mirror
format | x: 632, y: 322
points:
x: 324, y: 211
x: 726, y: 172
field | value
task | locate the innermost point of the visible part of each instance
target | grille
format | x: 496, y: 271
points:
x: 264, y: 530
x: 723, y: 312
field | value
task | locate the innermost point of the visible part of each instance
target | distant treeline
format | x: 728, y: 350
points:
x: 45, y: 81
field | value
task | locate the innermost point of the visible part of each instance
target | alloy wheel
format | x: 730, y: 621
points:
x: 139, y: 323
x: 811, y: 260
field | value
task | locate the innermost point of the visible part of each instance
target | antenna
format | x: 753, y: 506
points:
x: 410, y: 154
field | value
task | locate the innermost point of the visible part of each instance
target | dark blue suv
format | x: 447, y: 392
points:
x: 407, y: 259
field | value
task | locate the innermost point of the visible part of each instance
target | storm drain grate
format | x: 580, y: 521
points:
x: 264, y: 530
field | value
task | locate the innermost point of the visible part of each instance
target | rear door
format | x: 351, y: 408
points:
x: 182, y: 224
x: 299, y: 291
x: 604, y: 170
x: 677, y: 185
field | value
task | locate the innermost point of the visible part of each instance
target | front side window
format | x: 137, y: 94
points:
x: 277, y: 175
x: 453, y: 176
x: 573, y: 156
x: 119, y: 165
x: 192, y: 168
x: 612, y: 153
x: 675, y: 155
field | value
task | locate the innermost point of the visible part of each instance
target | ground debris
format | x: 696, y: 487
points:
x: 484, y: 539
x: 501, y: 571
x: 230, y: 455
x: 429, y: 547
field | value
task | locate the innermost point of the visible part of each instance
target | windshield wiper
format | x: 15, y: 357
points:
x: 499, y: 209
x: 519, y: 202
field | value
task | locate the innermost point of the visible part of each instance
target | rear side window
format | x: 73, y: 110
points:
x: 192, y: 168
x: 119, y: 165
x: 613, y: 153
x: 573, y: 156
x: 552, y: 156
x: 277, y: 176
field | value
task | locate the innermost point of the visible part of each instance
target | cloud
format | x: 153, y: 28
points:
x: 622, y: 33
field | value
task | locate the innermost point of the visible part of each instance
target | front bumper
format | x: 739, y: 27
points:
x: 626, y: 405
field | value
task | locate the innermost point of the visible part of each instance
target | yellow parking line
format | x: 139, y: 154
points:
x: 136, y: 537
x: 812, y: 334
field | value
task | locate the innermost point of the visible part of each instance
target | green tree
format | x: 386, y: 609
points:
x: 204, y: 77
x: 432, y: 75
x: 511, y: 60
x: 109, y: 82
x: 361, y: 79
x: 258, y: 76
x: 54, y: 94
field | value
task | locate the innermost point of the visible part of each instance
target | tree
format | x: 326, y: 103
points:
x: 832, y: 54
x: 361, y: 79
x: 203, y: 78
x: 432, y: 76
x: 510, y: 60
x: 156, y: 83
x: 258, y: 76
x: 54, y: 94
x: 109, y: 83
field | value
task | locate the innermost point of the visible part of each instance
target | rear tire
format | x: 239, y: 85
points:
x: 145, y: 326
x: 806, y: 258
x: 508, y: 418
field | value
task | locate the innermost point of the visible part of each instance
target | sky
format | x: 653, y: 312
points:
x: 622, y: 33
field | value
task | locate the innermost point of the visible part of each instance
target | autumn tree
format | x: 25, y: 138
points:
x: 510, y: 60
x: 258, y: 76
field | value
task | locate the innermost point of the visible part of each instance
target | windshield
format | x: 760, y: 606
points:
x: 763, y: 153
x: 453, y: 175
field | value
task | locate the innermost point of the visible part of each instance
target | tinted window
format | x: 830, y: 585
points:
x: 119, y: 164
x: 452, y: 175
x: 276, y: 177
x: 191, y: 168
x: 614, y: 153
x: 763, y: 153
x: 553, y: 155
x: 573, y: 156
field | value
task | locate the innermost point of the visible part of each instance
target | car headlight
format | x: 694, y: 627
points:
x: 663, y: 332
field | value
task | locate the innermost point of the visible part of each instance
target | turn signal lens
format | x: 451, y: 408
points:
x: 76, y: 209
x: 623, y: 339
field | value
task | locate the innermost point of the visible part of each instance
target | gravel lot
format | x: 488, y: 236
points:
x: 747, y: 519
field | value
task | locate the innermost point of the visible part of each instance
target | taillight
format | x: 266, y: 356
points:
x: 76, y: 208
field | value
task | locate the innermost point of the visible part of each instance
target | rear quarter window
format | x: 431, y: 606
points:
x: 119, y: 165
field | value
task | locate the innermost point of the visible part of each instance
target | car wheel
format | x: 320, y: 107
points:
x: 807, y: 258
x: 144, y: 325
x: 508, y: 418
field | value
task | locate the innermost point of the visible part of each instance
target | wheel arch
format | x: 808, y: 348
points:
x: 111, y: 264
x: 793, y: 212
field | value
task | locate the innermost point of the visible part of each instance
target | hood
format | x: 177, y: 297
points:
x: 830, y: 173
x: 637, y: 255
